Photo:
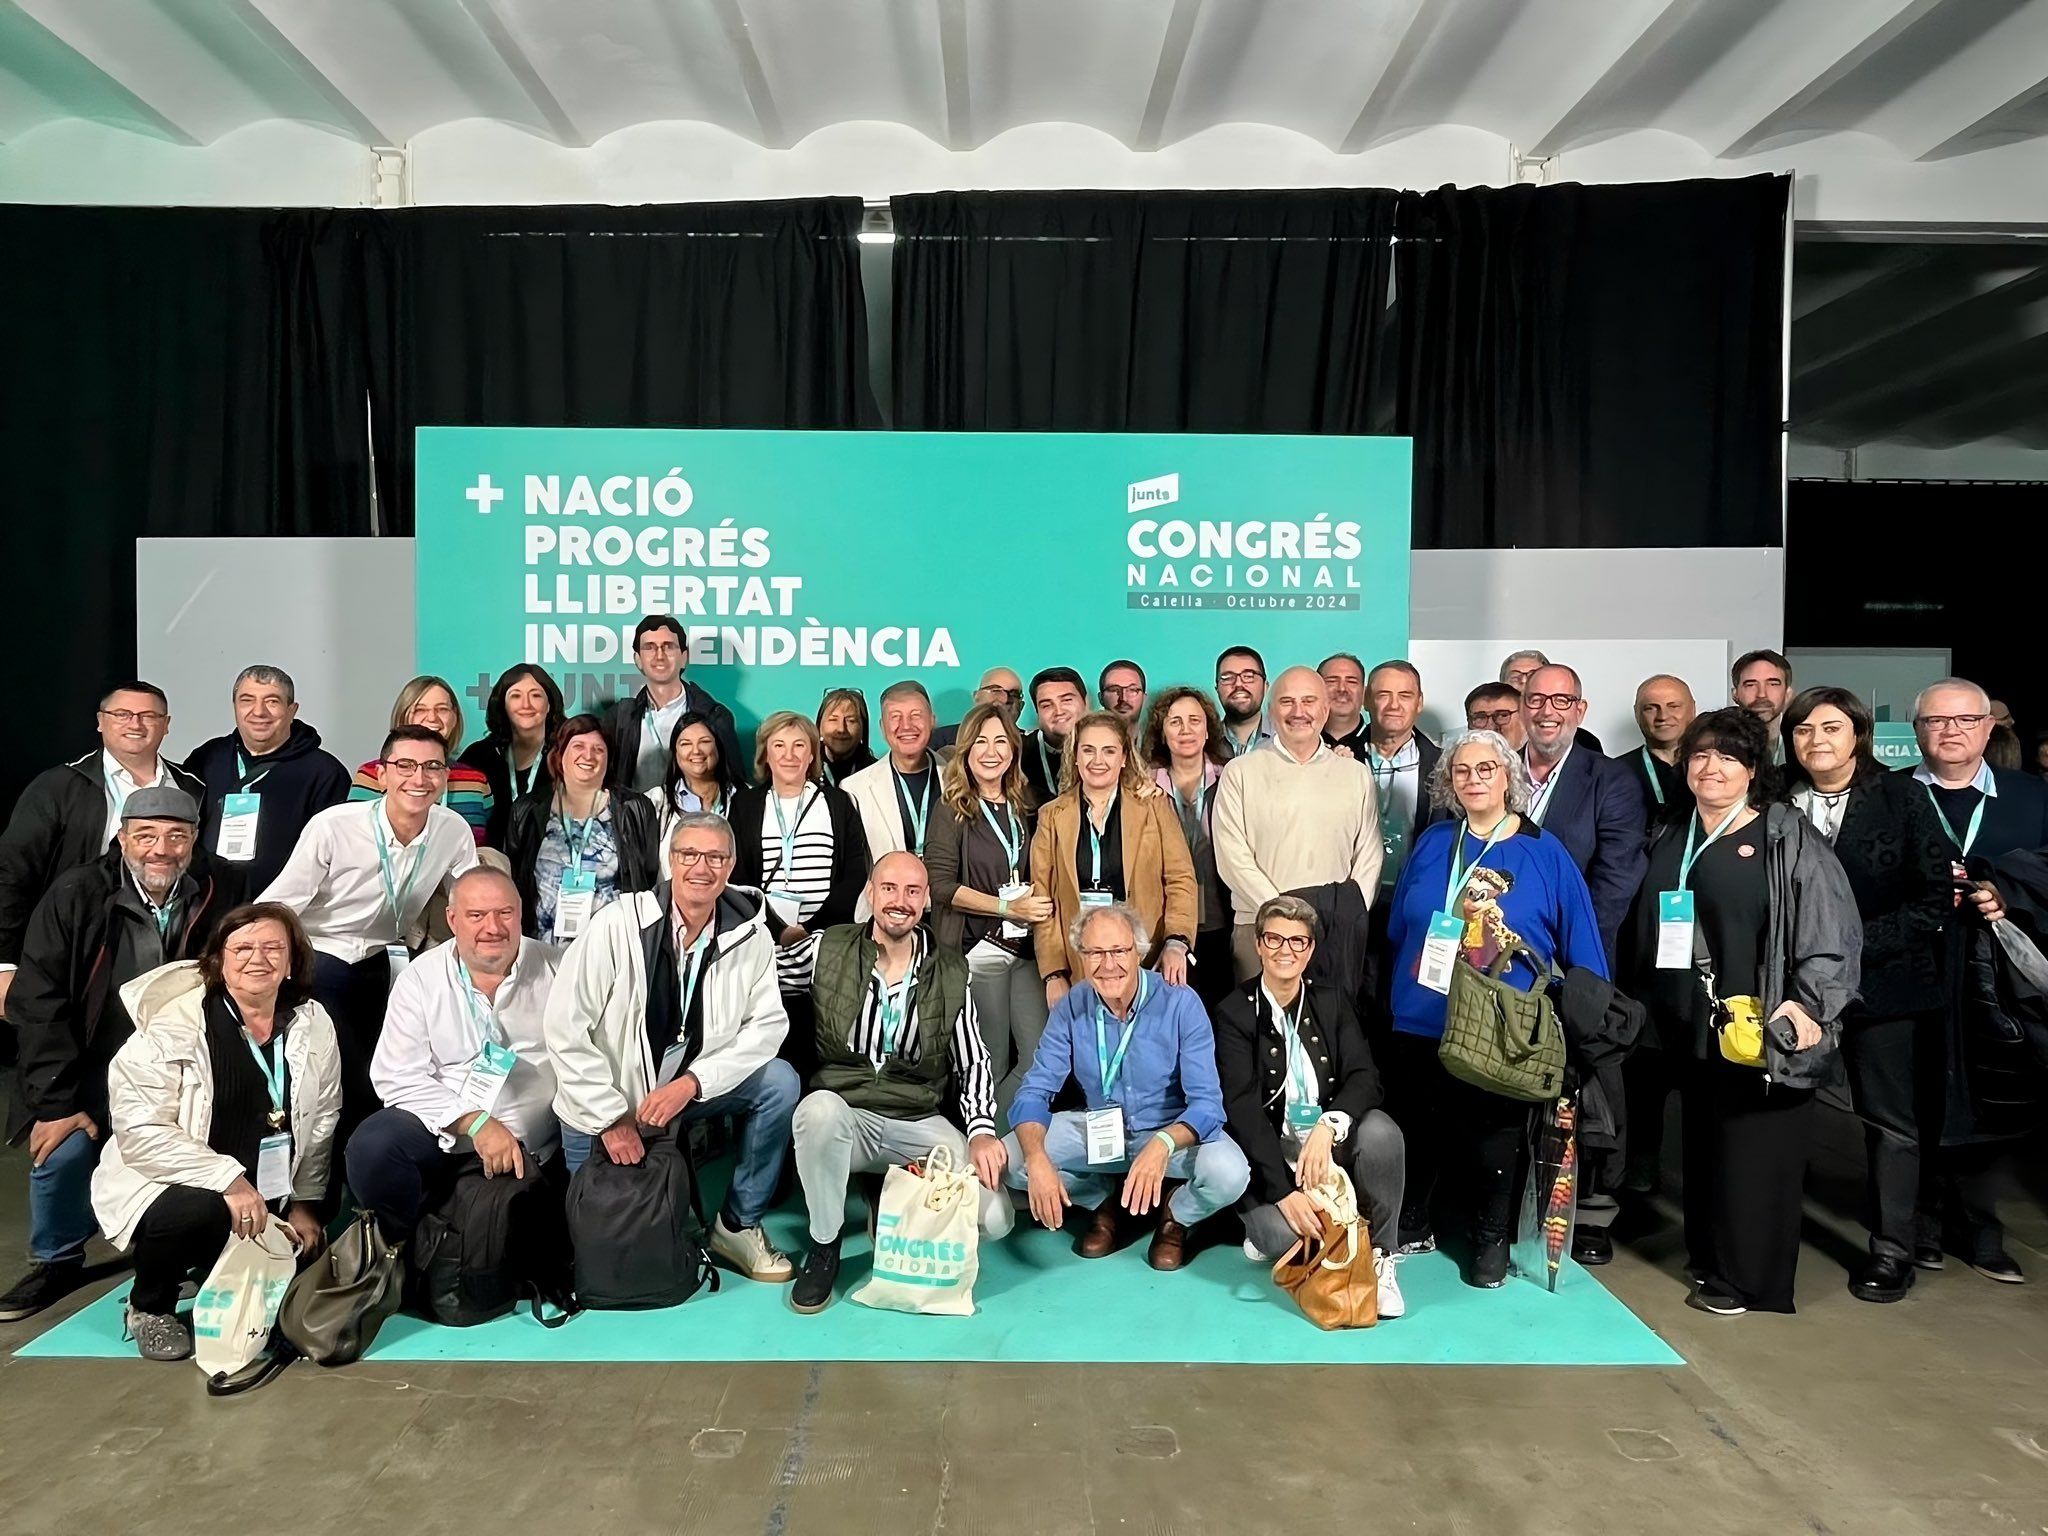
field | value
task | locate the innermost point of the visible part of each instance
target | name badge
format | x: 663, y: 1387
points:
x: 1674, y: 930
x: 274, y: 1167
x: 397, y: 957
x: 576, y: 903
x: 671, y: 1065
x: 1012, y: 929
x: 1440, y: 952
x: 1303, y: 1117
x: 237, y: 840
x: 1106, y: 1142
x: 1097, y: 898
x: 487, y: 1075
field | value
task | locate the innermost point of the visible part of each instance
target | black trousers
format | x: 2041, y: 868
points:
x: 1481, y: 1139
x: 1746, y: 1144
x: 182, y: 1233
x: 1898, y: 1084
x: 1212, y: 973
x: 1649, y: 1077
x: 354, y: 997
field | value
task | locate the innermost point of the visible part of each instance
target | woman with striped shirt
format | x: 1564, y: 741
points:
x: 430, y: 701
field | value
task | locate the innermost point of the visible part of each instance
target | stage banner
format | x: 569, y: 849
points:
x: 799, y: 561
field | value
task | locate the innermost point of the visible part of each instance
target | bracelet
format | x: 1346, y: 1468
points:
x: 482, y: 1116
x: 1002, y: 906
x: 1165, y: 1138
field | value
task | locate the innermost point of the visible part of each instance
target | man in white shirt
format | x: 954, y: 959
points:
x: 897, y: 795
x: 1293, y: 814
x: 462, y: 1064
x: 69, y: 814
x: 360, y: 880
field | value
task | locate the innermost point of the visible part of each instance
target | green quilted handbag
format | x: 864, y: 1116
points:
x: 1500, y: 1038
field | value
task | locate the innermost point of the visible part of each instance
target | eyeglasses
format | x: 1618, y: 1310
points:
x: 409, y: 767
x: 1116, y: 952
x: 1464, y: 773
x: 1486, y: 720
x: 841, y: 692
x: 243, y: 953
x: 1249, y: 675
x: 690, y: 858
x: 158, y: 717
x: 658, y: 648
x: 1123, y: 690
x: 998, y: 691
x: 1947, y: 722
x: 1557, y: 701
x: 145, y: 841
x: 1293, y: 943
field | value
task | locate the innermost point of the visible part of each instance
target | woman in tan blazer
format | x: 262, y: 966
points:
x: 1110, y: 836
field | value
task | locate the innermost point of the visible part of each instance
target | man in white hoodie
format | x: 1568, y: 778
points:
x: 666, y: 1010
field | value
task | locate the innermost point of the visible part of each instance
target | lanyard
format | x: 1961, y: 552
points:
x: 1963, y: 844
x: 1541, y: 798
x: 162, y: 914
x: 1239, y: 748
x: 1460, y: 869
x: 693, y: 965
x: 1385, y: 786
x: 921, y: 812
x: 1692, y: 828
x: 394, y: 896
x: 273, y: 1076
x: 482, y: 1013
x: 1052, y: 774
x: 893, y: 1004
x: 1650, y: 771
x: 578, y: 846
x: 114, y: 795
x: 1094, y: 847
x: 789, y: 829
x: 1009, y: 834
x: 242, y: 772
x: 1109, y: 1067
x: 522, y: 783
x: 1189, y: 811
x: 1298, y: 1070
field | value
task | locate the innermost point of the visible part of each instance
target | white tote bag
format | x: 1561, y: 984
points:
x: 927, y: 1240
x: 237, y: 1305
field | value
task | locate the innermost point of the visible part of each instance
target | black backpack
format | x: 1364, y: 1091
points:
x: 630, y: 1228
x: 483, y: 1243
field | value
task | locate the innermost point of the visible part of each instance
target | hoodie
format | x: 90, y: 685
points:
x: 294, y: 784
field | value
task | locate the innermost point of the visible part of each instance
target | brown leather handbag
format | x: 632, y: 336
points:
x: 1331, y: 1277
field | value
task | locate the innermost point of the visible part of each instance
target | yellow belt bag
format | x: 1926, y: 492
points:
x: 1741, y: 1028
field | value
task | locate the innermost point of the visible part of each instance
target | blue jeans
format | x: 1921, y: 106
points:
x: 60, y: 1217
x: 764, y: 1105
x: 1215, y: 1171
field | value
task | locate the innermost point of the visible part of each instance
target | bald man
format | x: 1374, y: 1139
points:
x: 998, y: 686
x: 1664, y: 708
x: 1294, y: 814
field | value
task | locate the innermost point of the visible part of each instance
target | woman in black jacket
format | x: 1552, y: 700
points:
x: 1885, y: 835
x: 1299, y: 1091
x: 575, y: 846
x: 799, y: 841
x: 520, y: 720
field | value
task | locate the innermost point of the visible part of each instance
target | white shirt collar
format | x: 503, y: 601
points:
x: 1985, y: 783
x: 1529, y: 761
x: 110, y: 765
x: 1277, y: 1013
x: 1409, y: 754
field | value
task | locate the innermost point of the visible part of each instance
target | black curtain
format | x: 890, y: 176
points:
x: 1143, y: 311
x: 1594, y: 366
x: 711, y: 315
x: 168, y: 371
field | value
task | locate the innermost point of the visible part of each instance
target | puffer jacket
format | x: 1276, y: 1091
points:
x: 160, y: 1093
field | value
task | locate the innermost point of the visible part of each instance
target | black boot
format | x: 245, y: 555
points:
x: 813, y: 1289
x: 1882, y: 1279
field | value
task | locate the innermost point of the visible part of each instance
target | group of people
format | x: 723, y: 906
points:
x: 1170, y: 957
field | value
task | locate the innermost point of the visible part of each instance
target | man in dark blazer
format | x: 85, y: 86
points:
x: 1591, y: 804
x: 1401, y: 760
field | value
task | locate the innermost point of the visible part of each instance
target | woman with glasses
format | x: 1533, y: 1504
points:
x: 1187, y: 751
x: 1744, y: 922
x: 983, y: 903
x: 843, y: 734
x: 699, y: 778
x: 1487, y: 882
x: 799, y: 842
x: 223, y: 1109
x: 575, y: 846
x: 466, y: 790
x: 1110, y: 836
x: 521, y: 717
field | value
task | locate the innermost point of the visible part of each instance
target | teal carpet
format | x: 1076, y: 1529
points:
x: 1035, y: 1302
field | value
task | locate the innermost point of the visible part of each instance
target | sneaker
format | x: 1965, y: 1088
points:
x: 1383, y: 1272
x: 813, y: 1289
x: 158, y: 1336
x: 1712, y: 1296
x: 2000, y: 1266
x: 43, y: 1286
x: 1253, y: 1253
x: 1424, y: 1242
x: 749, y: 1252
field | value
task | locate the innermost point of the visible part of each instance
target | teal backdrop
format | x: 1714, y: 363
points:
x: 802, y: 560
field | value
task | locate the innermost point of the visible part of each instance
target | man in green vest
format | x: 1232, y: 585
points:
x: 896, y: 1040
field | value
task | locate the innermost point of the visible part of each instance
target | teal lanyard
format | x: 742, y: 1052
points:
x: 578, y: 846
x: 242, y: 772
x: 1239, y: 748
x: 273, y: 1076
x: 1650, y: 769
x: 1010, y: 835
x: 1963, y: 844
x: 1052, y: 774
x: 1385, y: 786
x: 1297, y: 1053
x: 919, y: 813
x: 693, y: 964
x: 1190, y: 812
x: 161, y: 914
x: 521, y: 784
x: 481, y: 1013
x: 1109, y: 1068
x: 893, y: 1004
x: 1459, y: 869
x: 1692, y: 828
x: 1094, y: 849
x: 395, y: 896
x: 114, y: 795
x: 788, y: 828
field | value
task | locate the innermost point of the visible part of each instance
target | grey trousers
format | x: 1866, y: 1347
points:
x: 834, y: 1141
x: 1009, y: 1005
x: 1376, y: 1157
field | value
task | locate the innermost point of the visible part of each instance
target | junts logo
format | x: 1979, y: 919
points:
x: 1152, y: 493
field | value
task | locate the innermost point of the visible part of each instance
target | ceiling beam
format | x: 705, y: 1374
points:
x: 1910, y: 295
x: 953, y: 69
x: 499, y: 35
x: 1606, y: 60
x: 1986, y: 396
x: 256, y: 16
x: 1960, y: 336
x: 1425, y: 18
x: 1956, y: 135
x: 753, y: 78
x: 1814, y: 291
x: 1173, y: 58
x: 54, y: 29
x: 1840, y: 36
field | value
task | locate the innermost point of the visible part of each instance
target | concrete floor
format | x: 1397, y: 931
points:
x: 1926, y: 1417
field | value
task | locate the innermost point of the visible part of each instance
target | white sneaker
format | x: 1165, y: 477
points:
x: 1252, y: 1253
x: 749, y: 1252
x: 1384, y: 1271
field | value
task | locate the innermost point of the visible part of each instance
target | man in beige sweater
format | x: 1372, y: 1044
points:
x: 1293, y: 813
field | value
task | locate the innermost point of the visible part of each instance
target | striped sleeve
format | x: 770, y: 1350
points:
x: 973, y: 1079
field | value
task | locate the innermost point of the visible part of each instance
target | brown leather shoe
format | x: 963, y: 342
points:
x: 1169, y: 1243
x: 1099, y: 1241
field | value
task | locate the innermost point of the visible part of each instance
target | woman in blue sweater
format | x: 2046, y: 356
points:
x: 1489, y: 880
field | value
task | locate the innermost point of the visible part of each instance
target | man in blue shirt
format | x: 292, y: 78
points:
x: 1144, y: 1058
